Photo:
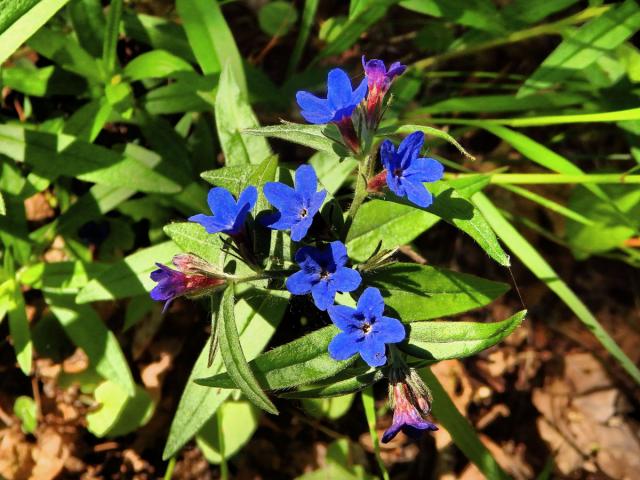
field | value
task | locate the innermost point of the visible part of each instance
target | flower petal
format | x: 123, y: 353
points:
x: 323, y: 294
x: 300, y: 283
x: 343, y: 346
x: 306, y: 181
x: 279, y: 195
x: 395, y: 185
x: 342, y: 317
x: 417, y: 193
x: 248, y: 197
x: 339, y: 253
x: 372, y: 351
x: 316, y: 202
x: 338, y: 89
x: 210, y: 224
x: 278, y: 221
x: 360, y: 92
x: 317, y: 118
x: 424, y: 170
x: 300, y: 227
x: 222, y: 205
x: 371, y: 303
x: 313, y: 106
x: 389, y: 330
x: 388, y: 157
x: 307, y: 258
x: 346, y: 279
x: 395, y: 69
x: 410, y: 148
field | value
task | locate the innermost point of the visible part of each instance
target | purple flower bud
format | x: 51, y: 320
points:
x: 195, y: 277
x: 379, y: 80
x: 411, y: 402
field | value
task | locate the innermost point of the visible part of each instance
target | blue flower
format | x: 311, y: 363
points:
x: 296, y: 207
x: 409, y: 409
x: 340, y: 102
x: 323, y: 273
x: 365, y: 330
x: 228, y: 215
x: 406, y: 171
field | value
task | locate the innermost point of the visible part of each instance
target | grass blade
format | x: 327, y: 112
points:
x: 541, y: 269
x: 370, y: 412
x: 109, y: 53
x: 308, y: 15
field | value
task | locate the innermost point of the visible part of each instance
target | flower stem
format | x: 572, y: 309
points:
x: 360, y: 193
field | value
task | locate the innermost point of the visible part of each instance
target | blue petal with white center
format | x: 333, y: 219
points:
x: 296, y: 207
x: 323, y: 273
x: 406, y: 171
x: 365, y: 329
x: 340, y: 102
x: 228, y: 215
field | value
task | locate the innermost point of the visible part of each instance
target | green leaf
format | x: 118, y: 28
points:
x: 109, y: 53
x: 119, y: 413
x: 211, y: 39
x: 54, y: 155
x: 12, y: 11
x: 65, y: 51
x: 257, y: 315
x: 3, y: 208
x: 29, y: 22
x: 461, y: 431
x: 130, y: 276
x: 277, y: 18
x: 332, y: 171
x: 581, y: 49
x: 308, y: 16
x: 66, y: 277
x: 369, y: 406
x: 444, y: 340
x: 183, y: 95
x: 159, y: 33
x: 233, y: 116
x: 192, y: 238
x: 238, y: 420
x: 301, y: 361
x: 331, y: 408
x: 421, y: 292
x: 20, y: 331
x: 155, y: 64
x: 26, y: 410
x: 313, y: 136
x: 233, y: 356
x: 433, y: 132
x: 86, y: 330
x: 355, y: 26
x: 606, y: 231
x: 42, y: 82
x: 89, y: 24
x: 348, y: 381
x: 543, y: 271
x: 479, y: 14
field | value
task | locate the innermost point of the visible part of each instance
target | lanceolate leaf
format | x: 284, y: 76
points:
x: 85, y: 328
x: 233, y: 356
x: 312, y: 136
x: 444, y: 340
x: 419, y: 292
x: 130, y: 276
x: 257, y: 314
x: 233, y: 116
x: 20, y: 332
x: 599, y: 36
x: 54, y: 155
x: 339, y: 386
x: 301, y: 361
x: 192, y: 238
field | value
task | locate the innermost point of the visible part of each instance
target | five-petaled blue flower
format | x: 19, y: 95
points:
x: 340, y: 102
x: 228, y: 215
x: 365, y: 330
x: 323, y: 273
x: 406, y: 171
x: 296, y: 207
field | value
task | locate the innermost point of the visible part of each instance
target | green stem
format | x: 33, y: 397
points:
x: 360, y: 193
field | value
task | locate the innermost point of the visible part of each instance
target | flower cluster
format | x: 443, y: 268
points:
x: 324, y: 268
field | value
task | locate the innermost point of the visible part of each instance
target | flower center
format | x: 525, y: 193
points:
x: 324, y: 275
x: 303, y: 213
x: 366, y: 328
x: 397, y: 172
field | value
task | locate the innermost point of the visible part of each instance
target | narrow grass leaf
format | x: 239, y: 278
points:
x: 112, y: 31
x: 368, y: 403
